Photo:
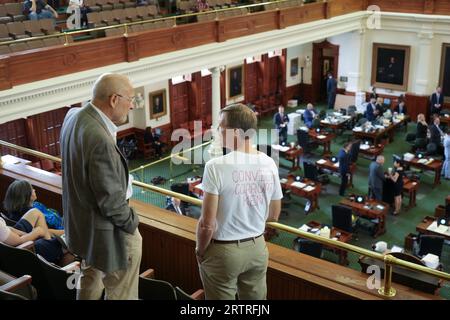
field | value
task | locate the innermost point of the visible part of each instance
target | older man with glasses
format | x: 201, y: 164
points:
x: 100, y: 226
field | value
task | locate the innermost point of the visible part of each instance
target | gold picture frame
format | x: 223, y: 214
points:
x: 294, y: 67
x: 236, y: 80
x: 158, y: 104
x: 390, y: 66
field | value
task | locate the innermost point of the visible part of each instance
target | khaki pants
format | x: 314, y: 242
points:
x: 238, y: 268
x: 118, y: 285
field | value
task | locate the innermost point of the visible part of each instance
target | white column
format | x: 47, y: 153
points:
x: 360, y: 75
x: 215, y: 96
x: 422, y: 83
x: 216, y: 146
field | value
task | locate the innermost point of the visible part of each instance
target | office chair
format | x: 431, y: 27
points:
x: 312, y: 173
x: 361, y: 122
x: 342, y: 218
x: 430, y: 244
x: 182, y: 295
x: 152, y: 289
x: 304, y: 141
x: 354, y: 151
x: 308, y: 247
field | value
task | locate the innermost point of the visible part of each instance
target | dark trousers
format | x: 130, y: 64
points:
x: 283, y: 134
x: 376, y: 194
x: 344, y: 183
x: 331, y: 100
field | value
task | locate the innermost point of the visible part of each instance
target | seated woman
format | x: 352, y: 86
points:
x: 21, y: 198
x: 32, y: 227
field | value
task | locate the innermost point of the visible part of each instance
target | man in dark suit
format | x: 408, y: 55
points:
x: 436, y: 134
x: 437, y: 101
x: 401, y: 108
x: 281, y: 120
x: 369, y: 114
x: 344, y: 167
x: 100, y: 226
x: 376, y: 178
x: 309, y: 115
x: 331, y: 90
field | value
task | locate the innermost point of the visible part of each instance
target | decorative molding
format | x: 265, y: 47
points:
x: 53, y: 93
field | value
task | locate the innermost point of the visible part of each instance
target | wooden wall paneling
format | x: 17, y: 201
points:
x: 341, y: 7
x: 179, y: 104
x: 223, y: 90
x: 417, y: 104
x: 306, y: 93
x: 291, y: 92
x: 405, y: 6
x: 251, y: 82
x: 240, y: 26
x: 13, y: 132
x: 282, y: 77
x: 206, y: 97
x: 5, y: 77
x: 159, y: 41
x: 316, y: 65
x: 44, y: 63
x: 441, y: 7
x: 296, y: 15
x: 195, y: 96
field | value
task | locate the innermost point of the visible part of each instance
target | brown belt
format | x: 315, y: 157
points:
x: 235, y: 241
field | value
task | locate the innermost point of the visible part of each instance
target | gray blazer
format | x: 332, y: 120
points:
x: 376, y: 175
x: 95, y: 180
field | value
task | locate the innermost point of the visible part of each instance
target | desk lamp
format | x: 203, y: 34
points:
x: 298, y: 178
x: 334, y: 159
x: 317, y: 130
x: 360, y: 199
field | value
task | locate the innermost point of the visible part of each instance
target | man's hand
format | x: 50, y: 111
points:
x: 199, y: 255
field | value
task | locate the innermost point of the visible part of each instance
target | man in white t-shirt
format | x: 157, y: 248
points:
x: 241, y: 192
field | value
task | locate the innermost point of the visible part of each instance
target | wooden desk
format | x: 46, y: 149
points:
x: 435, y: 166
x: 312, y: 195
x: 195, y: 188
x: 335, y: 125
x: 445, y: 120
x: 329, y: 165
x: 373, y: 151
x: 292, y: 154
x: 377, y: 135
x: 407, y: 277
x: 371, y: 213
x: 326, y: 141
x: 343, y: 237
x: 422, y: 228
x: 403, y: 122
x: 410, y: 187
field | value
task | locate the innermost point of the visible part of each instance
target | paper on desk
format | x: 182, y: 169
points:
x: 304, y: 228
x: 283, y: 180
x: 357, y: 129
x: 199, y: 186
x: 309, y: 188
x: 321, y: 161
x: 396, y: 249
x: 321, y: 136
x: 298, y: 184
x: 442, y: 229
x: 432, y: 226
x: 364, y: 146
x: 380, y: 207
x: 336, y: 164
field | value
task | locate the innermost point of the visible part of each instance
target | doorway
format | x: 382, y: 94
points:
x: 325, y: 59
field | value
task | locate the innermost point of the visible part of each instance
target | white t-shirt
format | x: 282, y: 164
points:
x: 4, y: 230
x: 245, y: 184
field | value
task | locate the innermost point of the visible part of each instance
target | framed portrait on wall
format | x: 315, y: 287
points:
x: 294, y: 67
x: 235, y: 81
x: 444, y: 79
x: 390, y: 66
x: 158, y: 106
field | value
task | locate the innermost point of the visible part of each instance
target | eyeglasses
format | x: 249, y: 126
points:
x: 132, y: 99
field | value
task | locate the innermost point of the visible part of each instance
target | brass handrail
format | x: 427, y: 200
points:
x: 168, y: 157
x: 125, y: 25
x: 388, y: 259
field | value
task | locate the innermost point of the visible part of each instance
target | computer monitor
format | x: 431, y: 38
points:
x: 158, y: 131
x: 387, y: 101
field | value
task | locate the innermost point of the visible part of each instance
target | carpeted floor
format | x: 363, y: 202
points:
x: 397, y: 226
